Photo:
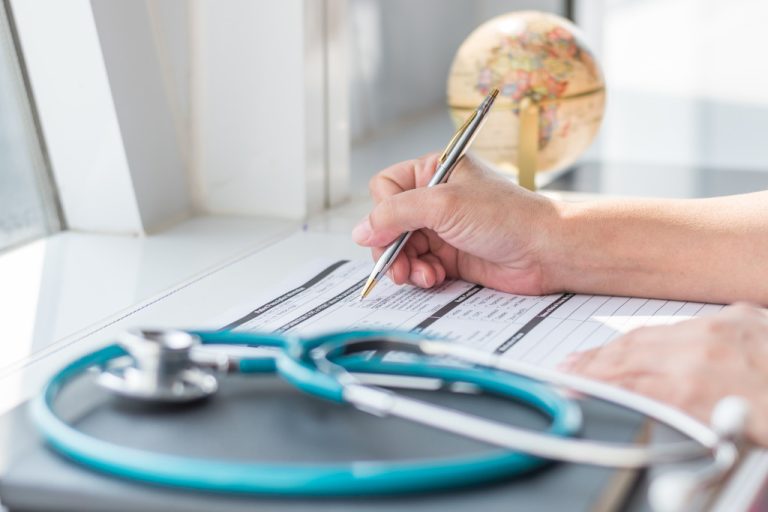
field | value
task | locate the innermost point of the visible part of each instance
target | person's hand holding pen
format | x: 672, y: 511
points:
x: 478, y: 226
x: 482, y: 228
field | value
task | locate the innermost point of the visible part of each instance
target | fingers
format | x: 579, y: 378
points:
x: 403, y: 176
x: 408, y: 211
x: 612, y: 362
x: 636, y: 352
x: 422, y: 273
x: 405, y: 204
x: 744, y: 311
x: 690, y: 365
x: 415, y: 264
x: 648, y: 384
x: 438, y: 268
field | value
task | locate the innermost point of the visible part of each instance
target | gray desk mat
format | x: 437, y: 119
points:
x: 264, y: 419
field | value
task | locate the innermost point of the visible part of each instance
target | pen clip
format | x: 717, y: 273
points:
x: 456, y: 136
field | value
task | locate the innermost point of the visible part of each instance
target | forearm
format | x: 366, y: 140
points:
x: 713, y: 250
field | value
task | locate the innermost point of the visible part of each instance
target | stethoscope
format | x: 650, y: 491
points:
x: 175, y: 367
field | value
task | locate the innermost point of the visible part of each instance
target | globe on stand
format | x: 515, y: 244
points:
x: 552, y: 93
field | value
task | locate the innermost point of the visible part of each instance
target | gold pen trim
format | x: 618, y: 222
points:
x: 456, y: 136
x: 368, y: 287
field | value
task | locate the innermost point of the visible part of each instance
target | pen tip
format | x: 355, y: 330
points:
x: 494, y: 93
x: 368, y: 287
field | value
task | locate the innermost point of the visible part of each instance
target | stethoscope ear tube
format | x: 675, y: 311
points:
x: 673, y: 491
x: 542, y: 445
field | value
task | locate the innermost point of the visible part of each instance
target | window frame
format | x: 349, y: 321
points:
x: 105, y: 135
x: 52, y: 215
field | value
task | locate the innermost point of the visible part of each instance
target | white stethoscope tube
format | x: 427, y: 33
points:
x: 698, y: 431
x: 672, y: 491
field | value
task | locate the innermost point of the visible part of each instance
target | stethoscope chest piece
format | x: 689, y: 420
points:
x: 161, y: 368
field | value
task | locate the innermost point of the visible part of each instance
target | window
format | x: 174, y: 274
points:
x: 27, y: 203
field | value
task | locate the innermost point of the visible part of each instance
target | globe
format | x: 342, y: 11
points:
x: 537, y: 61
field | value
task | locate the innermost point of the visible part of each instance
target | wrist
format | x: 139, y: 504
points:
x: 553, y: 246
x: 574, y: 255
x: 599, y: 247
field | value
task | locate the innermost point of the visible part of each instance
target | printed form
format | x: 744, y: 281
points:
x: 539, y: 330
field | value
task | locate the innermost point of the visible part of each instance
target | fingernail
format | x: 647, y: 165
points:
x: 421, y: 278
x: 362, y: 232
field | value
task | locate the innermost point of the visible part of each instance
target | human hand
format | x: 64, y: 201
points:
x: 692, y: 364
x: 478, y: 226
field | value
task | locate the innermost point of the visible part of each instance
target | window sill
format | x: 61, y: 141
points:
x: 61, y: 286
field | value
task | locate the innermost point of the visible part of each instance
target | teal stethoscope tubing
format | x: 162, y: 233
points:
x: 333, y: 479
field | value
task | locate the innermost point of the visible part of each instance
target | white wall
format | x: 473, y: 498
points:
x: 687, y: 82
x: 401, y: 52
x: 143, y: 100
x: 259, y: 107
x: 259, y: 98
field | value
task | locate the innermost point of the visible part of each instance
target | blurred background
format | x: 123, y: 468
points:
x: 687, y: 102
x: 686, y: 115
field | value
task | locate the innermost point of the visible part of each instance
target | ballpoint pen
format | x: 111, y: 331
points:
x: 451, y: 156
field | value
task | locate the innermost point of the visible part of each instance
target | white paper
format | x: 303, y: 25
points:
x: 540, y: 330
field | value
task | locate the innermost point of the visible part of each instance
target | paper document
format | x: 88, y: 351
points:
x: 540, y: 330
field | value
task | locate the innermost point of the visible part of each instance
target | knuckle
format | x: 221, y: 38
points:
x: 713, y: 352
x: 428, y: 158
x: 716, y: 325
x: 375, y: 184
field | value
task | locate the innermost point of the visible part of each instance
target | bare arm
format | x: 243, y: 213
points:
x: 713, y: 250
x: 482, y: 228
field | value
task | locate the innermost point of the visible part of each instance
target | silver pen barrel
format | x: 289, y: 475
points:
x: 457, y: 148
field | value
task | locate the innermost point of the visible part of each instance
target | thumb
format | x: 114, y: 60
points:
x: 408, y: 211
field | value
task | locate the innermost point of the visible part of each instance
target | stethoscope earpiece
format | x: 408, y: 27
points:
x: 730, y: 417
x: 679, y: 489
x: 161, y: 368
